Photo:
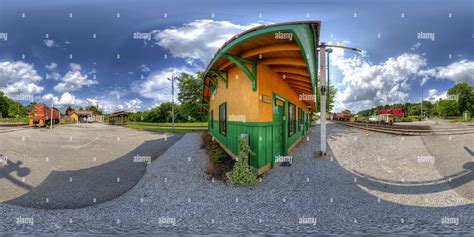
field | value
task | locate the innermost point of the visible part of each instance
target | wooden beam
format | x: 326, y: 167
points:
x: 295, y: 77
x: 292, y: 70
x: 306, y: 85
x: 269, y: 49
x: 284, y: 61
x: 302, y: 88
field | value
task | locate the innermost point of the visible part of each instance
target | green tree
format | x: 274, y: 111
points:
x: 94, y: 109
x: 465, y: 96
x: 4, y: 105
x: 189, y: 95
x: 447, y: 108
x: 69, y: 109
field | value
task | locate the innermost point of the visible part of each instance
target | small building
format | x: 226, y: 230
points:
x: 398, y: 112
x: 81, y: 116
x: 118, y: 118
x: 261, y: 84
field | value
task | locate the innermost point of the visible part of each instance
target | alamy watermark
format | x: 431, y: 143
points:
x: 3, y: 36
x: 25, y: 221
x: 142, y: 36
x: 424, y: 35
x: 23, y: 97
x: 284, y: 35
x: 142, y: 159
x: 237, y: 118
x: 281, y: 159
x: 425, y: 159
x: 307, y: 220
x: 310, y: 97
x: 450, y: 220
x: 167, y: 221
x: 3, y: 159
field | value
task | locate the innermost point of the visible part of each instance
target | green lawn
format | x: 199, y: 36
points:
x: 15, y: 120
x: 194, y: 124
x: 154, y: 128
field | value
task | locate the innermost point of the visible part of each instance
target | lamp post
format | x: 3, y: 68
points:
x: 172, y: 98
x: 322, y: 68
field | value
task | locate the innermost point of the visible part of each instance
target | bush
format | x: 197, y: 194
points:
x: 242, y: 173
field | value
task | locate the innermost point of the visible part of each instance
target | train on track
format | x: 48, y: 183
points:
x: 343, y: 116
x: 43, y: 115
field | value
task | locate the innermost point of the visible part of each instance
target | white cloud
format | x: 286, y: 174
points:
x: 49, y: 43
x: 133, y: 105
x: 54, y: 75
x: 459, y: 72
x: 365, y: 85
x: 74, y: 80
x: 65, y: 100
x: 51, y: 66
x: 434, y: 95
x: 415, y: 46
x: 19, y: 78
x: 199, y: 39
x: 157, y: 86
x: 144, y: 68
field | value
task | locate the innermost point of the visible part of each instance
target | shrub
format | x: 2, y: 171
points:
x: 218, y: 156
x: 242, y: 173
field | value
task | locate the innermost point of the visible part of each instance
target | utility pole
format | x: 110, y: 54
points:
x: 322, y: 69
x: 329, y: 50
x: 172, y: 98
x: 322, y: 110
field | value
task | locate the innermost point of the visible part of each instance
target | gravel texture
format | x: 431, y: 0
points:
x: 311, y: 196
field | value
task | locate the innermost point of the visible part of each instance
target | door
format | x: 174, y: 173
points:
x: 278, y: 128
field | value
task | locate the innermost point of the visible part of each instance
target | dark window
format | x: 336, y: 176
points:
x: 291, y: 119
x: 223, y: 119
x: 212, y: 118
x: 300, y: 119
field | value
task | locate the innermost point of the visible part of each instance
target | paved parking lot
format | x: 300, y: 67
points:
x: 74, y: 166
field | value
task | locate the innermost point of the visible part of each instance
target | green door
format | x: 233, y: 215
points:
x: 278, y: 125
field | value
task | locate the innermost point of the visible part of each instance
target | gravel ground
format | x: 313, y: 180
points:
x: 311, y: 196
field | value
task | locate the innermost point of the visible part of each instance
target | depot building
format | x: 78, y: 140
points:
x: 260, y: 85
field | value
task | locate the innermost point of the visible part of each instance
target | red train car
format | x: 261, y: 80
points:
x: 343, y: 116
x: 41, y: 115
x: 398, y: 112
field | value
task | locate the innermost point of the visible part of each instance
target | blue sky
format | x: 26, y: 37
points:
x: 120, y: 72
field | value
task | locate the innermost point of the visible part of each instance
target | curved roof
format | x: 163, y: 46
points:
x: 289, y: 49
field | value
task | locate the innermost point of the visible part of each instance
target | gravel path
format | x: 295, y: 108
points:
x: 311, y: 196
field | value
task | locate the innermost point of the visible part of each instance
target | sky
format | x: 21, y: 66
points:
x: 119, y: 54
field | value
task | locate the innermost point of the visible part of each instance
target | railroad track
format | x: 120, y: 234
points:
x: 410, y: 130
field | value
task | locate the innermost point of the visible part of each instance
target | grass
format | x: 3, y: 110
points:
x: 458, y: 119
x: 154, y: 128
x: 193, y: 124
x: 15, y: 120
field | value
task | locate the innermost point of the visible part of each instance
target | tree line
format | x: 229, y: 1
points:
x: 460, y: 98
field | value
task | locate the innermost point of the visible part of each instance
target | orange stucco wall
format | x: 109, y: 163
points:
x: 270, y: 82
x: 244, y: 103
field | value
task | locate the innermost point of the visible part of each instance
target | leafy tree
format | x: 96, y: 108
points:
x: 447, y: 108
x: 189, y: 95
x: 69, y: 110
x: 4, y: 105
x: 94, y: 109
x: 465, y: 94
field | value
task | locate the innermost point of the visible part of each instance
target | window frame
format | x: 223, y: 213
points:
x: 291, y: 121
x: 223, y: 122
x: 300, y: 119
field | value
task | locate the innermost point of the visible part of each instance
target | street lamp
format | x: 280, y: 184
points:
x: 322, y: 68
x: 172, y: 98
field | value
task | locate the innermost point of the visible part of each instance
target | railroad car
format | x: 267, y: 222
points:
x: 41, y: 115
x: 343, y: 116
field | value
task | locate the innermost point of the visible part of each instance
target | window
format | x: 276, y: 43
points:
x: 223, y: 119
x: 291, y: 119
x: 300, y: 119
x: 212, y: 118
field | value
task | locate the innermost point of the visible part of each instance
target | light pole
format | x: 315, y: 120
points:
x: 322, y: 67
x: 172, y: 98
x: 329, y: 50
